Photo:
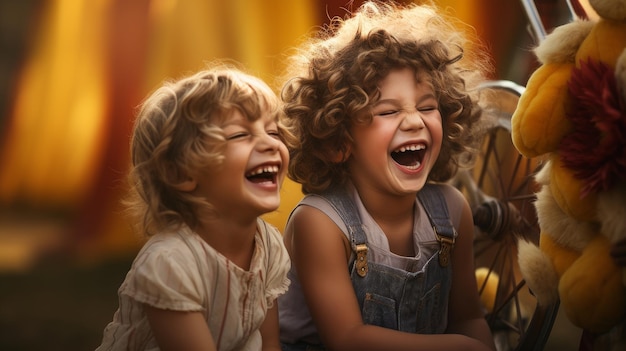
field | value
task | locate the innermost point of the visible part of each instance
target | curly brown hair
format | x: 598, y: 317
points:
x: 334, y: 75
x: 177, y: 134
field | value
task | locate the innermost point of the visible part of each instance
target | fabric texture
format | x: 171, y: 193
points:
x: 180, y: 271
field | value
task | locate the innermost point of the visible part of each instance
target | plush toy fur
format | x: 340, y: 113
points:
x: 574, y: 106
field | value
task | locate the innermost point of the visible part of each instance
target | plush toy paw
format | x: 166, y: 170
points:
x: 539, y: 122
x: 594, y: 299
x: 539, y: 273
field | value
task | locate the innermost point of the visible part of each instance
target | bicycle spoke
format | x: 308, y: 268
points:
x: 501, y: 191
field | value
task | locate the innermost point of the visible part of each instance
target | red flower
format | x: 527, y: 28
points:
x: 596, y: 149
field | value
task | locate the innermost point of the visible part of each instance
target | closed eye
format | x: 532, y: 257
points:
x: 235, y: 136
x: 428, y: 109
x: 386, y: 113
x: 274, y: 134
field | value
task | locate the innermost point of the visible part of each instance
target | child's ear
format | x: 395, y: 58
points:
x: 339, y: 156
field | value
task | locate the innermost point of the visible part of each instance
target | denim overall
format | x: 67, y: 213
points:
x: 415, y: 302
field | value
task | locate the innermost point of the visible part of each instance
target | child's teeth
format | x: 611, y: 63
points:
x: 411, y: 148
x: 267, y: 169
x: 414, y: 166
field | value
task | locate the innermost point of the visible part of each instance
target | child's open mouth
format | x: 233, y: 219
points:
x: 263, y: 174
x: 409, y: 156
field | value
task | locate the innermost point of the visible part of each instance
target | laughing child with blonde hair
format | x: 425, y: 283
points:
x: 207, y: 160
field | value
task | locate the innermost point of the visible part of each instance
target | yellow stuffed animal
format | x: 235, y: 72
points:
x: 573, y: 115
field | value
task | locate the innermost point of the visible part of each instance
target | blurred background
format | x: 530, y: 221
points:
x: 72, y: 73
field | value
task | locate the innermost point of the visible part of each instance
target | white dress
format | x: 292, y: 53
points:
x: 180, y: 271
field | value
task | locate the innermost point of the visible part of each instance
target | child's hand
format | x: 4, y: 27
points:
x: 618, y: 252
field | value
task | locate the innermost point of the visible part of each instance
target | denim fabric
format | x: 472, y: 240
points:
x: 412, y: 301
x: 393, y: 298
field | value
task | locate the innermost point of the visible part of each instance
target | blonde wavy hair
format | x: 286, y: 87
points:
x: 176, y: 134
x: 334, y: 75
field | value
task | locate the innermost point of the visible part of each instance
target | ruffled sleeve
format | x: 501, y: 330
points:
x: 277, y: 263
x: 164, y: 275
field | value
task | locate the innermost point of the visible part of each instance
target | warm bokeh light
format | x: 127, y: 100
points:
x: 89, y: 64
x: 58, y: 120
x: 72, y: 73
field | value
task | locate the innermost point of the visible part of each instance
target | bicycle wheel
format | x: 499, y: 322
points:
x: 500, y: 190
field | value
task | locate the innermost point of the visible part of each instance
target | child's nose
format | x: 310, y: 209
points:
x: 413, y: 120
x: 270, y: 142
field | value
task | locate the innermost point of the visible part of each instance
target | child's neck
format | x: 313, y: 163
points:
x: 387, y: 207
x: 233, y: 239
x: 395, y: 217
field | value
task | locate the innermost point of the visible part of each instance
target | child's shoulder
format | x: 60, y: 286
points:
x: 277, y: 255
x: 167, y: 243
x: 268, y: 230
x: 164, y: 254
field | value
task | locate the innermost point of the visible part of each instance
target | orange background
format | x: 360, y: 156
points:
x: 82, y: 68
x: 72, y: 73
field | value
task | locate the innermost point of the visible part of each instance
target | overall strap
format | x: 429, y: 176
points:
x: 435, y: 206
x: 342, y: 203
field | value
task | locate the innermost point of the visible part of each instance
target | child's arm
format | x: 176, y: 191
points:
x: 319, y: 252
x: 175, y: 330
x: 270, y: 332
x: 464, y: 309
